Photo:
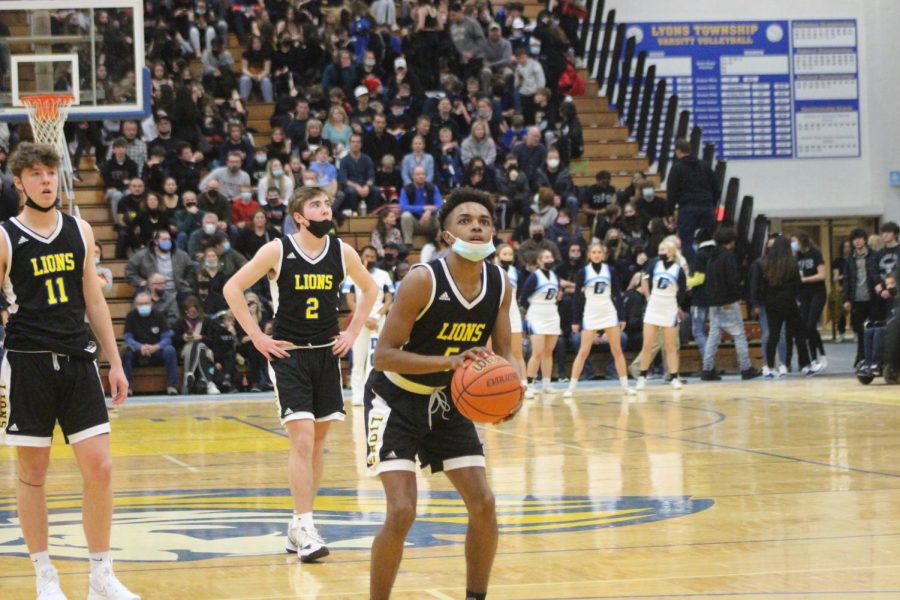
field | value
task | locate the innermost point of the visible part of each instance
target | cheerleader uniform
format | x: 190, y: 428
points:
x: 515, y: 315
x: 596, y: 303
x: 538, y: 296
x: 667, y: 285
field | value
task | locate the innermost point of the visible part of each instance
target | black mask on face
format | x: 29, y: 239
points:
x: 44, y: 209
x: 506, y: 263
x: 320, y: 228
x: 537, y: 236
x: 613, y: 243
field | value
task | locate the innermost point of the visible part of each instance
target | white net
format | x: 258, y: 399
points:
x: 47, y: 115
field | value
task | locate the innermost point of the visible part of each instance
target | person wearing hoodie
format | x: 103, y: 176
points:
x: 479, y: 144
x: 723, y: 290
x: 693, y: 189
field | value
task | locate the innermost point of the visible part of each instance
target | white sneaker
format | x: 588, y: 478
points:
x: 211, y: 389
x: 48, y: 585
x: 809, y: 371
x: 307, y: 543
x: 782, y: 371
x: 629, y: 391
x: 570, y: 392
x: 823, y: 362
x: 768, y: 373
x: 676, y: 383
x: 546, y: 388
x: 530, y: 391
x: 107, y: 587
x: 641, y: 383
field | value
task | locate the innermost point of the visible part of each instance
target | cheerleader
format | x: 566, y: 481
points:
x: 539, y: 295
x: 596, y: 307
x: 664, y: 283
x: 506, y: 260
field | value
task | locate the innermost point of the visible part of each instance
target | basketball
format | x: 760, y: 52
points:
x: 486, y: 390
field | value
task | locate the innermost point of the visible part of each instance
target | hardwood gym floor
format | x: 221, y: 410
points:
x: 732, y: 490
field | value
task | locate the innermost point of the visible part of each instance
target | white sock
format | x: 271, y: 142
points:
x: 623, y: 381
x: 304, y: 519
x: 524, y: 382
x: 41, y: 560
x: 545, y: 383
x: 100, y: 561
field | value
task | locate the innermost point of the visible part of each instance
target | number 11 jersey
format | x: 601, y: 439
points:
x: 43, y: 285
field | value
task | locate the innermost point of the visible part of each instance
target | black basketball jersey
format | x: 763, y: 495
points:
x: 450, y: 324
x: 43, y: 286
x: 306, y: 293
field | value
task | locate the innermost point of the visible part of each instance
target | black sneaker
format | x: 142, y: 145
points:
x: 710, y: 376
x: 750, y: 373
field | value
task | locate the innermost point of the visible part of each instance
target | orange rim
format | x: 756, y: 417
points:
x: 46, y: 106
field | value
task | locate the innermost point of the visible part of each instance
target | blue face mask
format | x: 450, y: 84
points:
x: 245, y: 196
x: 795, y: 247
x: 277, y: 172
x: 144, y: 310
x: 473, y: 251
x: 165, y: 245
x: 226, y: 247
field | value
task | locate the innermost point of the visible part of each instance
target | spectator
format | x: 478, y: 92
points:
x: 136, y: 149
x: 104, y: 273
x: 117, y: 172
x: 516, y: 132
x: 882, y: 306
x: 479, y: 144
x: 596, y: 197
x: 544, y: 207
x: 192, y: 335
x: 256, y: 68
x: 512, y: 193
x: 251, y: 239
x: 812, y: 295
x: 779, y: 286
x: 386, y: 231
x: 528, y: 80
x: 532, y: 154
x: 696, y: 283
x: 205, y: 237
x: 337, y: 130
x: 279, y: 147
x: 164, y: 139
x: 634, y: 304
x: 188, y: 219
x: 230, y: 178
x: 723, y: 290
x: 218, y: 69
x: 498, y: 57
x: 357, y: 178
x: 236, y: 141
x: 342, y: 74
x: 557, y: 177
x: 276, y: 178
x: 295, y: 128
x: 184, y: 168
x: 836, y: 313
x: 211, y: 270
x: 325, y: 173
x: 449, y: 115
x: 388, y: 179
x: 164, y: 301
x: 889, y: 256
x: 223, y: 343
x: 126, y: 216
x: 693, y: 189
x: 565, y: 231
x: 419, y: 204
x: 478, y: 176
x: 275, y: 210
x: 384, y: 13
x: 378, y: 142
x: 230, y: 260
x: 313, y: 140
x: 530, y: 249
x: 648, y: 205
x: 212, y: 201
x: 256, y: 363
x: 159, y: 257
x: 148, y: 341
x: 418, y: 158
x: 569, y: 133
x: 243, y: 207
x: 424, y: 129
x: 151, y: 219
x: 170, y: 202
x: 363, y: 113
x: 861, y: 276
x: 155, y: 171
x: 450, y: 166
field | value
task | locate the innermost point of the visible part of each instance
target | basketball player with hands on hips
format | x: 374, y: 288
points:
x: 305, y: 271
x: 443, y: 316
x: 49, y: 373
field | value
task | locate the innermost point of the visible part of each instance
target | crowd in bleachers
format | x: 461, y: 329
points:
x: 388, y: 107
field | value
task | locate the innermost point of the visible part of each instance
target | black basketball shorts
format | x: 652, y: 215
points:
x: 39, y: 389
x: 401, y: 425
x: 308, y: 385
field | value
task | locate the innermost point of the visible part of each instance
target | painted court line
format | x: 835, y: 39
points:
x: 439, y: 594
x: 174, y: 460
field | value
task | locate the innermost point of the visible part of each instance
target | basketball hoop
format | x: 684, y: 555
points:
x: 47, y: 114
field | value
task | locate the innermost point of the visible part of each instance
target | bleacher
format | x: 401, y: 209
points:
x: 607, y: 147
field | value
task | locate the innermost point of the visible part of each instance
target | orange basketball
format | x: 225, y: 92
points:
x: 486, y: 390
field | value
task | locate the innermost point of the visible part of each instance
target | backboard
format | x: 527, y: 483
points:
x: 93, y: 49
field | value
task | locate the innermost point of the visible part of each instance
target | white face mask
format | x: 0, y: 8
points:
x: 473, y: 251
x: 648, y: 192
x: 552, y: 162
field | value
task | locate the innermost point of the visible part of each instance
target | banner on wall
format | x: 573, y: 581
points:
x: 762, y: 89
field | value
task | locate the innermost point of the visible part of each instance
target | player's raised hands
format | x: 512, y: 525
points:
x: 271, y: 348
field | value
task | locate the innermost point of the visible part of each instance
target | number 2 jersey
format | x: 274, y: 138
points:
x: 43, y: 285
x: 306, y: 293
x: 450, y: 324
